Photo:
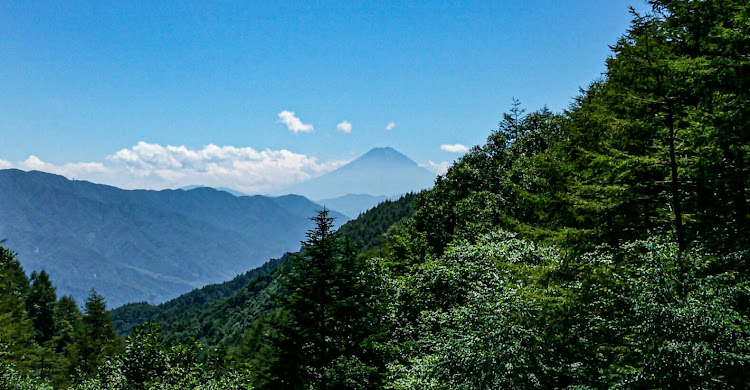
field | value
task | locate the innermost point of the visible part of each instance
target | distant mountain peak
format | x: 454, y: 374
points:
x: 386, y: 154
x: 380, y: 171
x: 383, y: 150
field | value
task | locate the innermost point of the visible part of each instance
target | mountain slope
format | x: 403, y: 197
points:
x: 381, y: 171
x: 183, y: 315
x: 142, y: 245
x: 352, y: 205
x: 220, y: 313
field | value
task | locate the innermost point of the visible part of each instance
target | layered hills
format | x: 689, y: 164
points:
x: 143, y: 245
x: 219, y: 314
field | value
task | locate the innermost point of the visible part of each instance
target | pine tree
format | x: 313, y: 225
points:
x: 311, y: 301
x: 660, y: 145
x: 40, y: 305
x: 16, y: 330
x: 98, y: 338
x: 69, y: 323
x: 323, y: 335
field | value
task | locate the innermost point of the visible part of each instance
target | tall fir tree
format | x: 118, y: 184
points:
x: 324, y: 333
x: 40, y: 305
x: 16, y: 330
x: 98, y: 337
x: 661, y: 144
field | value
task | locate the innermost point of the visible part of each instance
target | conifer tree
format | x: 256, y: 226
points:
x: 16, y: 331
x: 325, y: 329
x: 69, y: 323
x: 40, y: 305
x: 98, y: 338
x: 311, y: 300
x: 661, y: 144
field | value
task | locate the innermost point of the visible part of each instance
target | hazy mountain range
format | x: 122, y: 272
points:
x: 378, y: 175
x: 143, y: 245
x: 225, y: 189
x: 152, y: 246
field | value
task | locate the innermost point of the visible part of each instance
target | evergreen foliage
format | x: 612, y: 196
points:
x: 603, y: 247
x: 324, y: 333
x: 660, y: 145
x: 40, y: 306
x: 370, y: 229
x: 215, y: 314
x: 16, y: 329
x: 98, y: 337
x: 46, y: 341
x: 499, y: 314
x: 150, y: 363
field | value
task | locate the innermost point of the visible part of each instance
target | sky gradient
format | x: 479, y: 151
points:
x: 258, y: 95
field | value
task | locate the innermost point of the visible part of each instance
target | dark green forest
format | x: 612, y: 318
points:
x: 605, y: 246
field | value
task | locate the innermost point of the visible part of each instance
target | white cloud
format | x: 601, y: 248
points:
x: 293, y: 123
x: 154, y: 166
x: 70, y: 170
x: 344, y: 127
x: 390, y: 126
x: 5, y: 164
x: 440, y: 168
x: 457, y: 148
x: 244, y: 169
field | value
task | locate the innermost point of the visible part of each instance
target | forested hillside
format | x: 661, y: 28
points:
x: 371, y: 228
x: 185, y: 314
x: 602, y: 247
x: 215, y: 315
x: 219, y: 314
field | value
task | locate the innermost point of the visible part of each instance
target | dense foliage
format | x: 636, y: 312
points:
x: 499, y: 313
x: 330, y: 319
x: 370, y: 229
x: 602, y: 247
x: 47, y: 338
x: 213, y: 314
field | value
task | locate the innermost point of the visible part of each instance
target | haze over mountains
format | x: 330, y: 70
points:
x: 376, y: 176
x: 139, y: 245
x: 143, y: 245
x: 352, y: 205
x: 381, y: 171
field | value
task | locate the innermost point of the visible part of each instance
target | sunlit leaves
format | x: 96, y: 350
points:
x: 506, y: 313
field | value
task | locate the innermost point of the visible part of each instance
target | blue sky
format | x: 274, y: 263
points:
x: 163, y: 94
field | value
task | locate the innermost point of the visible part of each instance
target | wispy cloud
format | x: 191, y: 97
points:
x: 293, y: 123
x: 457, y: 148
x: 390, y: 126
x: 440, y: 168
x: 154, y: 166
x: 344, y: 127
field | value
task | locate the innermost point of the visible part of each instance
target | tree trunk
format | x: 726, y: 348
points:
x: 675, y: 184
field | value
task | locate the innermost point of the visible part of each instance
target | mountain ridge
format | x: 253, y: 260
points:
x: 142, y: 245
